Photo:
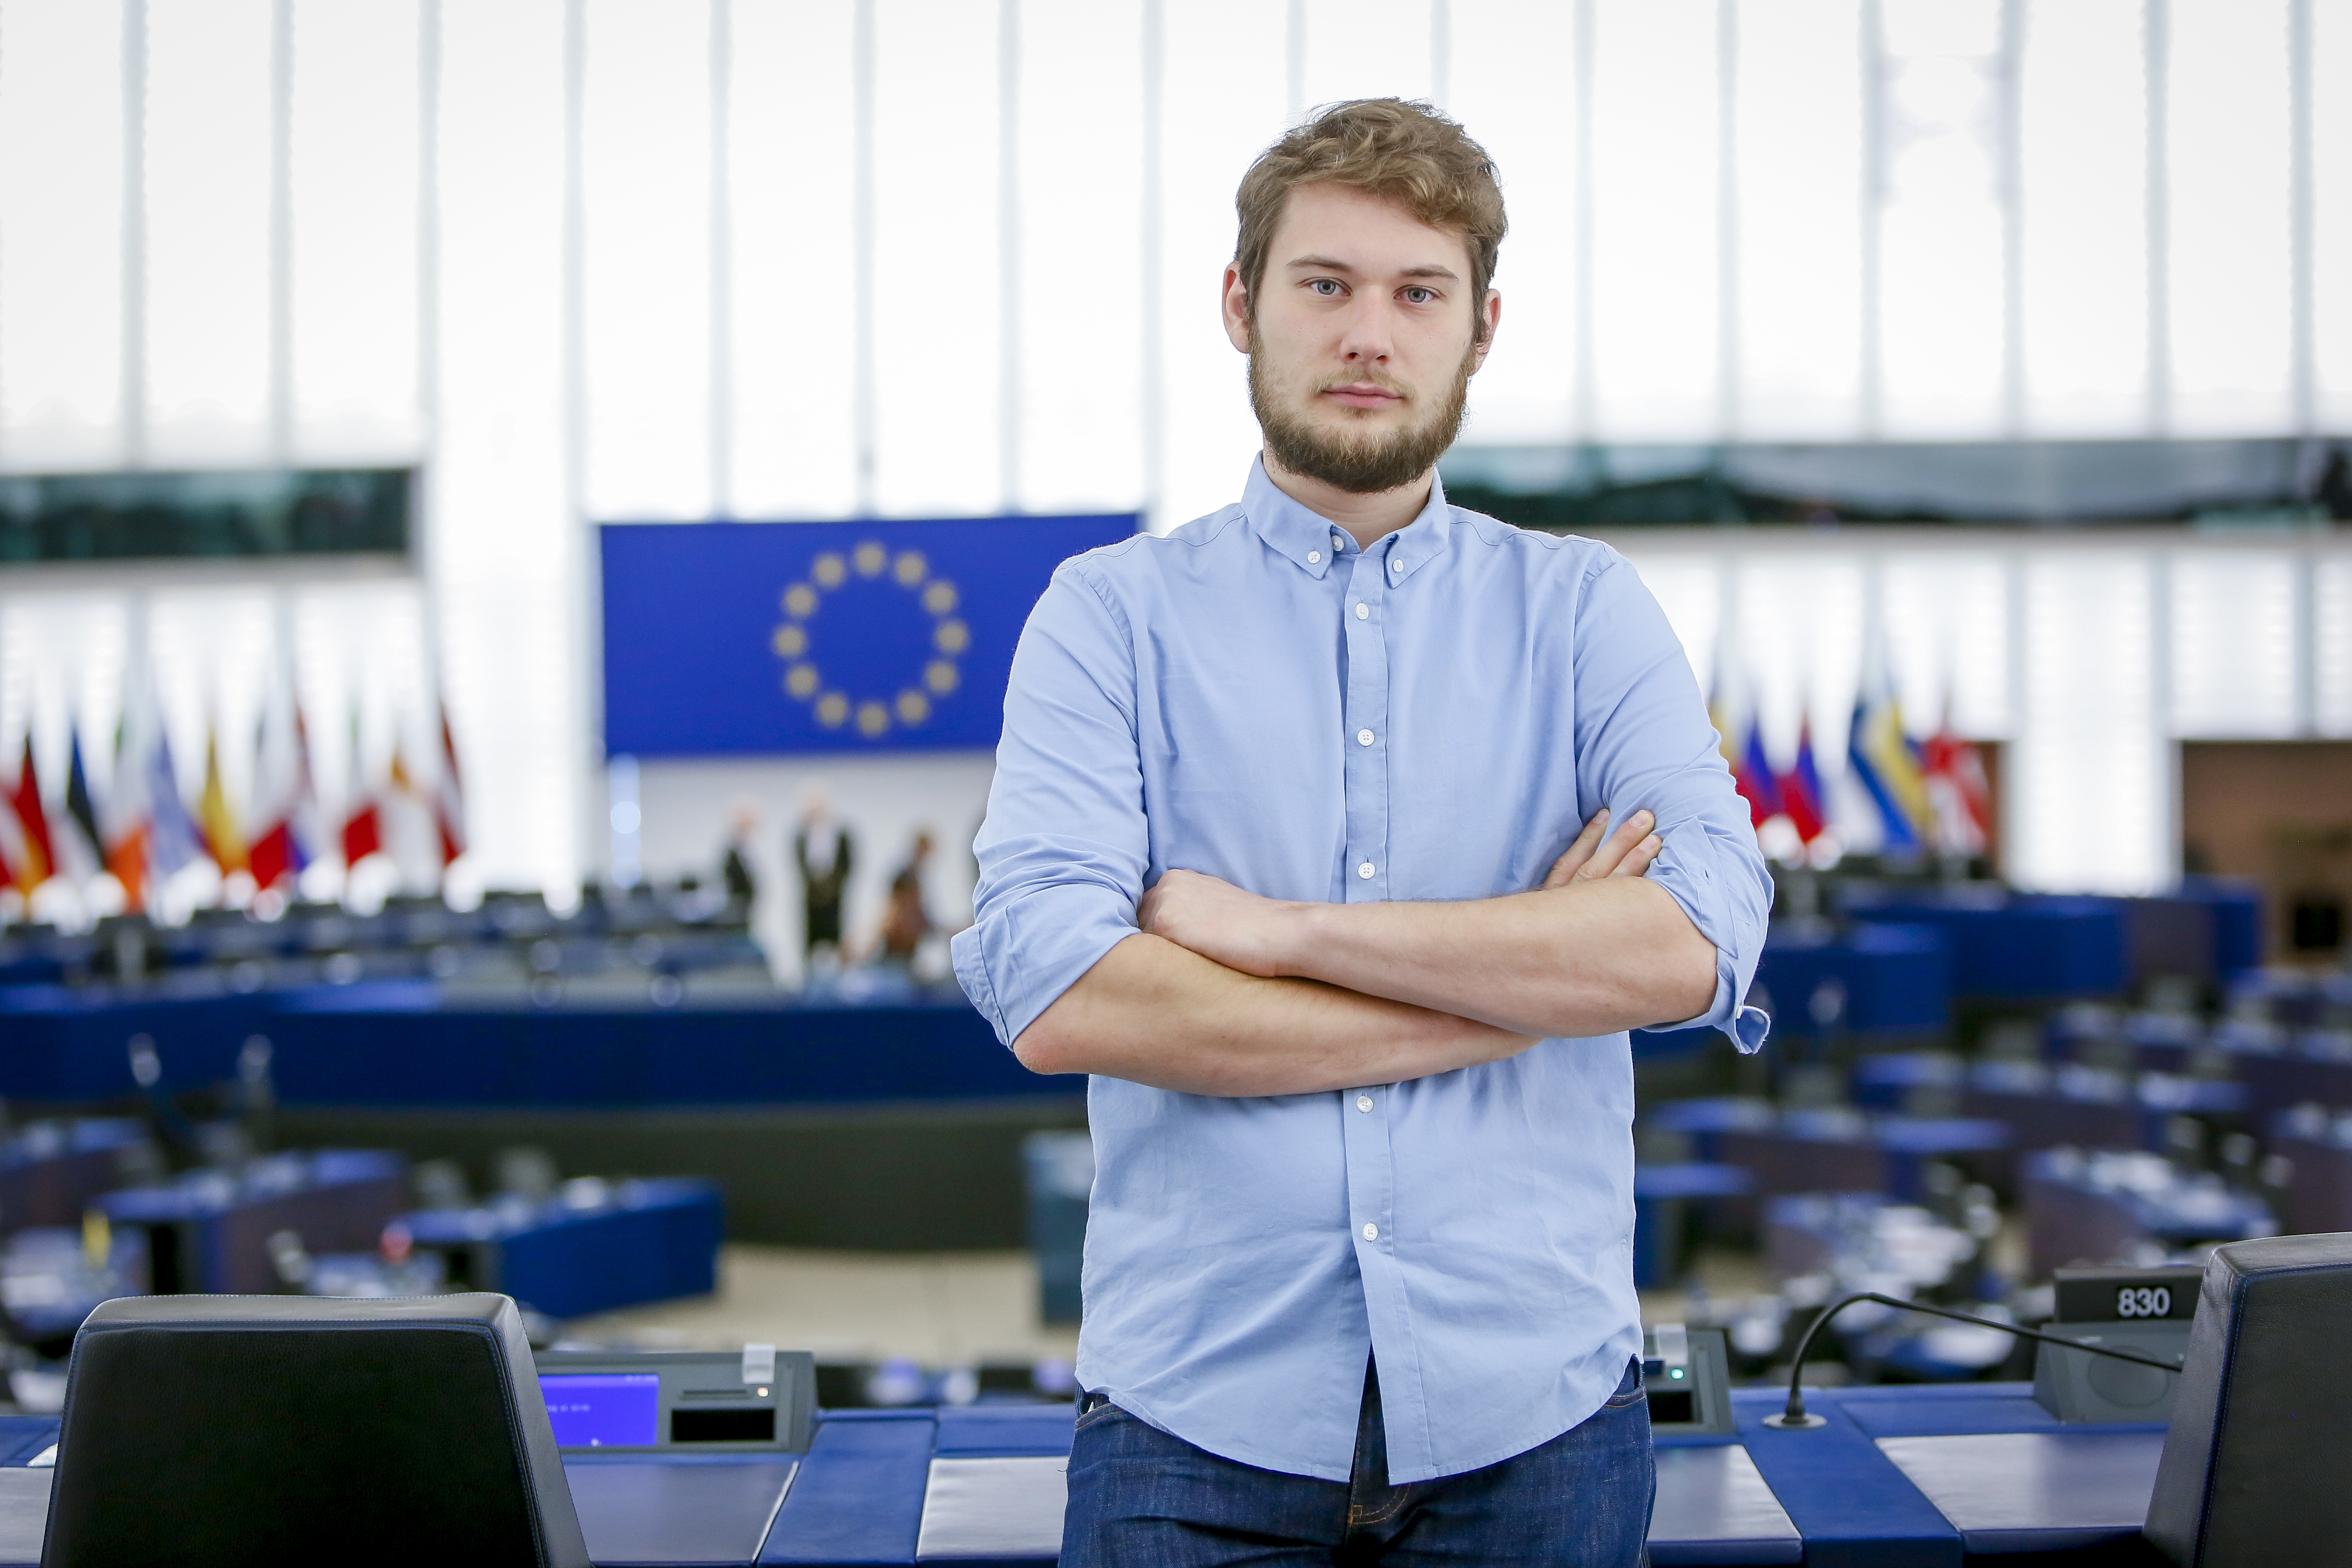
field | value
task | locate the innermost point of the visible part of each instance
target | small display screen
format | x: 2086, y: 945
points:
x: 604, y: 1410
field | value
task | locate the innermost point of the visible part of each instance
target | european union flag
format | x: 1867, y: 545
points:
x: 821, y: 637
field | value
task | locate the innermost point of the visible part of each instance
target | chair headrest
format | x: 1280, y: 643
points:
x: 2253, y: 1461
x: 254, y: 1429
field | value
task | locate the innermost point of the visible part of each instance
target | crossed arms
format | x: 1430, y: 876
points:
x: 1221, y: 992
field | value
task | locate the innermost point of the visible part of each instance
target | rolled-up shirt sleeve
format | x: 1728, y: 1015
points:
x: 1643, y: 739
x: 1064, y: 846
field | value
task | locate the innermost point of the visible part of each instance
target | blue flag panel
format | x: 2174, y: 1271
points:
x: 822, y: 636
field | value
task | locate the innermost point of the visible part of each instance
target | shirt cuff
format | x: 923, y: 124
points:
x: 1018, y: 957
x: 1737, y: 942
x: 1746, y: 1025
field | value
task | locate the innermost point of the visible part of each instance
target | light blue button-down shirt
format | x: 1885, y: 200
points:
x: 1254, y: 696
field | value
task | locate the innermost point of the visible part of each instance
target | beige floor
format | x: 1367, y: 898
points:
x: 950, y: 1309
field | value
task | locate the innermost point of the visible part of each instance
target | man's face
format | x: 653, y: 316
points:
x: 1361, y: 338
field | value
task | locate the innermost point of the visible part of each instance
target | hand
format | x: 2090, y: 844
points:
x: 1628, y: 852
x: 1217, y: 920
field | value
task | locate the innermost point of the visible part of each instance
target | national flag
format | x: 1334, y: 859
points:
x: 224, y: 839
x: 78, y: 838
x: 363, y: 831
x: 1801, y: 788
x: 1953, y: 772
x: 149, y: 833
x: 409, y: 836
x: 173, y: 840
x: 127, y: 819
x: 448, y: 798
x: 282, y: 792
x: 1741, y: 741
x: 1886, y: 764
x: 12, y: 845
x: 24, y: 828
x: 126, y: 858
x: 1752, y: 776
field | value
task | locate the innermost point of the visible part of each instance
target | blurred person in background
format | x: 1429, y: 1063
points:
x: 1341, y: 836
x: 735, y: 867
x: 906, y: 918
x: 823, y: 850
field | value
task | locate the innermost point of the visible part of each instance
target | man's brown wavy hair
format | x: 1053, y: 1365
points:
x: 1406, y: 152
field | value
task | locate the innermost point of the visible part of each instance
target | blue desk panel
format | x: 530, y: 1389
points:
x: 393, y: 1044
x: 61, y: 1044
x: 859, y: 1495
x: 1845, y: 1498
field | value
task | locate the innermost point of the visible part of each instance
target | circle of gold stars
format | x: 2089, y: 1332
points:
x: 870, y: 716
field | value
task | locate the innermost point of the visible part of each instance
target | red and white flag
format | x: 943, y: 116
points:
x: 25, y: 829
x: 448, y: 798
x: 286, y: 804
x: 363, y: 830
x: 1954, y: 772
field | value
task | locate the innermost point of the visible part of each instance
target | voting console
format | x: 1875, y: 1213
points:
x: 2144, y: 1309
x: 701, y: 1402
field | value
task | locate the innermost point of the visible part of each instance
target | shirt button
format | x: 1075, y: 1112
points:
x: 1395, y: 565
x: 1363, y: 1102
x: 1371, y: 1231
x: 1337, y: 542
x: 1363, y: 612
x: 1365, y: 870
x: 1313, y: 556
x: 1363, y: 737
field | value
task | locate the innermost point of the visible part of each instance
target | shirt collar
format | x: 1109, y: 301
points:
x: 1305, y: 536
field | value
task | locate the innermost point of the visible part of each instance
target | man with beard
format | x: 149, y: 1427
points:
x: 1300, y: 843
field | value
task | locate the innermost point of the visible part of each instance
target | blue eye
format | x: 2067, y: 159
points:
x: 1326, y: 287
x: 1420, y: 296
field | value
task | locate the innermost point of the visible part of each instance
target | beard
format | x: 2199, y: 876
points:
x: 1360, y: 465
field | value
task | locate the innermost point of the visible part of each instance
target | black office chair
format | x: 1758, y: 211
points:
x: 2254, y: 1465
x: 204, y: 1430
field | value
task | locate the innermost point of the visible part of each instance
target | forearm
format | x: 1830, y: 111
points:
x: 1589, y: 958
x: 1157, y: 1013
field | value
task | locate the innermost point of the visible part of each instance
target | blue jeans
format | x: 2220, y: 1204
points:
x: 1141, y: 1499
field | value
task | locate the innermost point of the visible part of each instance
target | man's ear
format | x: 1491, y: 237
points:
x: 1494, y: 318
x: 1236, y: 304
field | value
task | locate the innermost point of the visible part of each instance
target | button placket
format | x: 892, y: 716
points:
x: 1364, y: 769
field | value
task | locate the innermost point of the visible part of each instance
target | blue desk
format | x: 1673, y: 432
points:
x: 1931, y: 1476
x: 2022, y: 947
x: 595, y: 1247
x: 209, y: 1231
x: 1877, y: 983
x: 61, y: 1044
x: 1881, y: 980
x: 399, y: 1043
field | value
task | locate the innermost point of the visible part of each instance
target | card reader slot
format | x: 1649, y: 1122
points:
x: 756, y: 1425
